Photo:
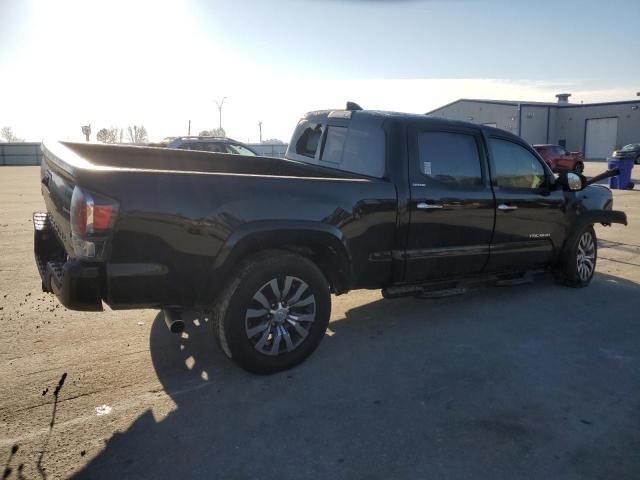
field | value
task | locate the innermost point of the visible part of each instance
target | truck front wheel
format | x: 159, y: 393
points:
x: 579, y: 258
x: 273, y: 313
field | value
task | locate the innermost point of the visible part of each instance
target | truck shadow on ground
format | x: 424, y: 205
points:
x: 519, y: 382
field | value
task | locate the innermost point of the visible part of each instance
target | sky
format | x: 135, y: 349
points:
x: 67, y: 63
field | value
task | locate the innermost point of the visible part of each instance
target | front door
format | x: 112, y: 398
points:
x: 529, y: 213
x: 452, y: 206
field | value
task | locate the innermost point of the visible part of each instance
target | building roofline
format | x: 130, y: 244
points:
x: 598, y: 104
x: 475, y: 100
x: 533, y: 104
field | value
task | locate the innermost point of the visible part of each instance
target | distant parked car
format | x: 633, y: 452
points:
x: 629, y: 151
x: 206, y: 144
x: 559, y: 159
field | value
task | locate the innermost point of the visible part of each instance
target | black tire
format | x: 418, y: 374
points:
x: 571, y: 270
x: 232, y: 319
x: 579, y: 168
x: 637, y: 160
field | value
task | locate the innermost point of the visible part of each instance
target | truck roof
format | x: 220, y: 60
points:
x: 321, y: 115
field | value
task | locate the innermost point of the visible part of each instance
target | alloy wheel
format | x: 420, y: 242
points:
x: 586, y: 260
x: 280, y: 315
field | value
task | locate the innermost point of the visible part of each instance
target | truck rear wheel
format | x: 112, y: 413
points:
x: 579, y: 168
x: 579, y: 258
x: 273, y: 313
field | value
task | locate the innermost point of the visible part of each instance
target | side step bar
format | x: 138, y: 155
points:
x: 460, y: 287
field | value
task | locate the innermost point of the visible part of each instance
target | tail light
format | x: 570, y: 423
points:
x: 92, y: 217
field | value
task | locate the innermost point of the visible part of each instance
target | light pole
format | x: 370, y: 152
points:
x: 260, y: 127
x: 220, y: 104
x: 86, y: 131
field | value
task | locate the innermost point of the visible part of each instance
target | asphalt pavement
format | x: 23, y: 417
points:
x: 527, y: 382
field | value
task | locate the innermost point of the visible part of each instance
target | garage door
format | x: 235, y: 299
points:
x: 601, y: 137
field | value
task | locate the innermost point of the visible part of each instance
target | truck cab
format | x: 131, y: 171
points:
x: 472, y: 199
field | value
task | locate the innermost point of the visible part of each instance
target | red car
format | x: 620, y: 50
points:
x: 559, y: 159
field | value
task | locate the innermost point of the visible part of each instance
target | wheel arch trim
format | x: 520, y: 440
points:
x: 268, y: 234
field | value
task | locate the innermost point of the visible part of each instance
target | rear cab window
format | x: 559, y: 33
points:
x: 309, y: 140
x: 353, y: 142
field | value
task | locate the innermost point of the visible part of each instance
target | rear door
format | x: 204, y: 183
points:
x: 452, y: 207
x: 529, y: 213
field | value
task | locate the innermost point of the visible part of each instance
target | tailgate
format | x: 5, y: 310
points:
x: 57, y: 190
x: 71, y: 237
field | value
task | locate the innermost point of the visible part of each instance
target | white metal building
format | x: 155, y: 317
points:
x: 594, y: 128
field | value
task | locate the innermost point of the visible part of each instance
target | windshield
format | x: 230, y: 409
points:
x: 631, y: 147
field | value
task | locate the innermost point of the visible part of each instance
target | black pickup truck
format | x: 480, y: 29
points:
x: 363, y: 200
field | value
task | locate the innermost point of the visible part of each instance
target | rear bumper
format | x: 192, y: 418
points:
x: 77, y: 284
x: 83, y: 285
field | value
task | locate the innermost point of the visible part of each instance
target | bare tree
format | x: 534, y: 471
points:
x: 137, y: 134
x: 273, y: 141
x: 6, y: 133
x: 214, y: 132
x: 108, y: 135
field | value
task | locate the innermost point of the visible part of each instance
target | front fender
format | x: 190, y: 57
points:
x: 606, y: 217
x: 593, y: 205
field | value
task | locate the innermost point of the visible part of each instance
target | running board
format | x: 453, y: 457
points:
x: 447, y: 292
x: 459, y: 287
x: 519, y: 280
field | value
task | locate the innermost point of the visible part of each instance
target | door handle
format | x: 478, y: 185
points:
x: 428, y: 206
x: 505, y: 207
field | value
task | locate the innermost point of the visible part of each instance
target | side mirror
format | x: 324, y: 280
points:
x: 572, y: 181
x: 575, y: 182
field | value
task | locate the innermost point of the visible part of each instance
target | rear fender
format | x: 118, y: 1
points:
x: 300, y: 236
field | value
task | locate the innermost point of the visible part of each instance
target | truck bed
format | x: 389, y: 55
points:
x: 73, y: 156
x: 181, y: 212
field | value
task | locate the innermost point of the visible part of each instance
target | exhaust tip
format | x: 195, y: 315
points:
x: 177, y: 326
x: 174, y: 323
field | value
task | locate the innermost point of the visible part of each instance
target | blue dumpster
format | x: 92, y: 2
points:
x: 622, y: 181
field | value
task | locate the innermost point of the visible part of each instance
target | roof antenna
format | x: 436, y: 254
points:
x: 353, y: 106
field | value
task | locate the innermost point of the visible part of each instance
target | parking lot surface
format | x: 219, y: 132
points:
x: 534, y: 381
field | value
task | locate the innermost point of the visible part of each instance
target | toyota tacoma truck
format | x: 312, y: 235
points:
x: 409, y: 204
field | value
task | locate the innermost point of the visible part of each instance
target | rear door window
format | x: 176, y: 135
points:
x: 449, y: 158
